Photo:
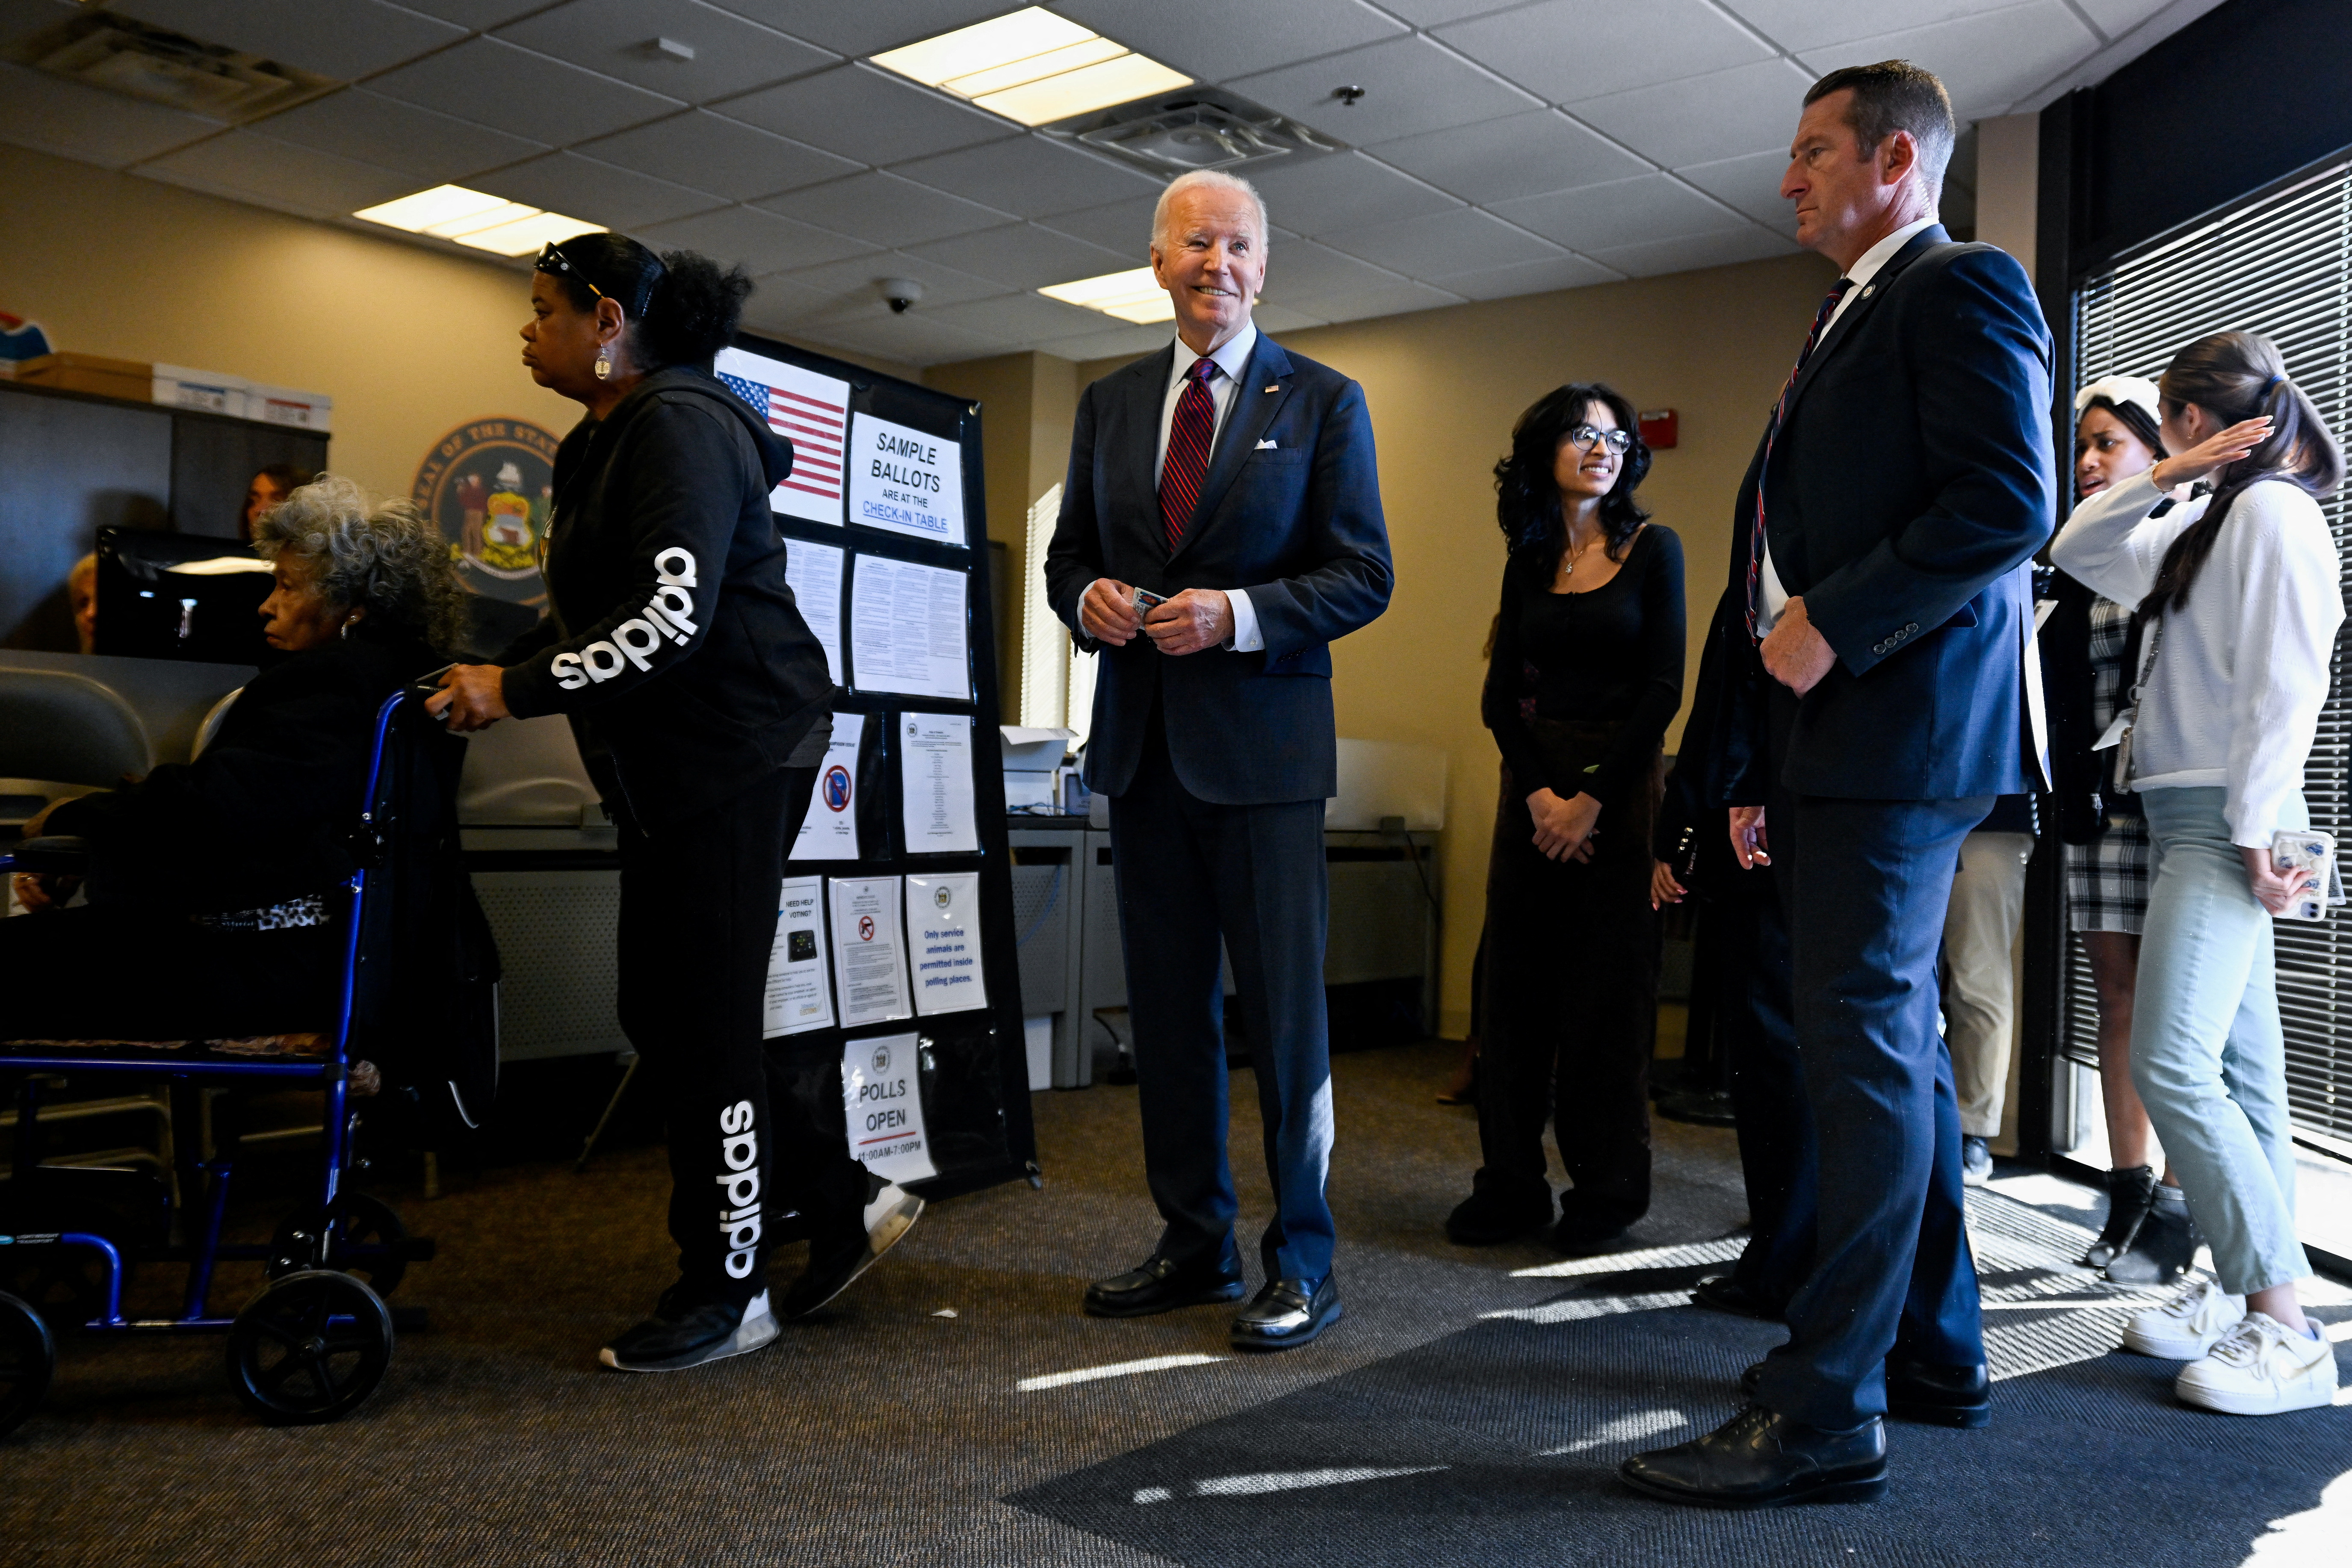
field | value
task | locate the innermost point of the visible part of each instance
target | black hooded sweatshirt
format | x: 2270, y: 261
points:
x: 672, y: 639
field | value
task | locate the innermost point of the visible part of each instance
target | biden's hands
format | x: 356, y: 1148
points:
x: 1564, y: 827
x: 1107, y: 611
x: 1747, y: 841
x: 1193, y: 620
x: 1796, y: 654
x: 472, y: 697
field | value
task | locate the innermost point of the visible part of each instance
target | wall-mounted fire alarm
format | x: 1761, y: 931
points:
x: 1658, y: 427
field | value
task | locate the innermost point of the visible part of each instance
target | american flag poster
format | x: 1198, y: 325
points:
x: 812, y: 412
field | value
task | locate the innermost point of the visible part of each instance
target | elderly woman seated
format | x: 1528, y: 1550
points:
x: 210, y: 902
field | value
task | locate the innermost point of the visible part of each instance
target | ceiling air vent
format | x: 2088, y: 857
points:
x: 1198, y: 127
x: 119, y: 55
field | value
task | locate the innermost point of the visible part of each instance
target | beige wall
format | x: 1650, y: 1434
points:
x: 1445, y: 387
x: 408, y: 341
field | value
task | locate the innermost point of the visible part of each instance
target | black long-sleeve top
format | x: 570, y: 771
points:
x: 1612, y: 655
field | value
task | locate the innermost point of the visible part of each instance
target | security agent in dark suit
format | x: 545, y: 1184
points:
x: 1236, y: 481
x: 1904, y: 480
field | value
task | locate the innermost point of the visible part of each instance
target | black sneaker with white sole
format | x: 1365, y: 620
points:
x: 839, y: 1253
x: 687, y: 1331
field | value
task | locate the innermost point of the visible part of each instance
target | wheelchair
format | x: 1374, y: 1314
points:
x: 417, y: 1001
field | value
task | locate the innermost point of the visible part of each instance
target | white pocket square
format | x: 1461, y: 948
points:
x: 1266, y: 446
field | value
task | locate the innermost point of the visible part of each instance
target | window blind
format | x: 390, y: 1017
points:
x: 2280, y: 264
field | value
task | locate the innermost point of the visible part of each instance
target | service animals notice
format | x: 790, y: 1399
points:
x: 907, y: 481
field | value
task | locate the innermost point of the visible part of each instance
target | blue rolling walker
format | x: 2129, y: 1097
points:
x: 315, y: 1342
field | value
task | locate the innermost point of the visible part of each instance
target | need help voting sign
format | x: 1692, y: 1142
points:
x: 907, y: 481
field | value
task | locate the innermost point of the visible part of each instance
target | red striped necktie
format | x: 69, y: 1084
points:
x: 1771, y: 432
x: 1186, y: 463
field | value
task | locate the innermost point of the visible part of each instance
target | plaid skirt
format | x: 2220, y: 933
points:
x: 2107, y: 880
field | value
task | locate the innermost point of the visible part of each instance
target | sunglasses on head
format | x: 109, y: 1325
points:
x: 551, y: 260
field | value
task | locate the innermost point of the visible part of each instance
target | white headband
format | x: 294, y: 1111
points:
x: 2121, y: 389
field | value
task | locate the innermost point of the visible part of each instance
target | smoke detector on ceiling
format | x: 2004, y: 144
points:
x: 121, y: 56
x: 1197, y: 128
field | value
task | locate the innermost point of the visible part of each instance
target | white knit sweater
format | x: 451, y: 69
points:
x: 2235, y: 696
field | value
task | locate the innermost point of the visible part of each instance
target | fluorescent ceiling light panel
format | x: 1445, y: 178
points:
x: 1033, y: 67
x: 472, y: 218
x: 1131, y: 296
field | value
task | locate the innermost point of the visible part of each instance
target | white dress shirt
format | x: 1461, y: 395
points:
x: 1772, y: 598
x: 1232, y: 359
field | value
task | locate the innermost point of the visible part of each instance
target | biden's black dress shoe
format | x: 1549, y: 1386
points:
x: 1934, y: 1395
x: 1724, y: 1293
x: 1760, y: 1459
x: 1159, y: 1285
x: 1286, y: 1312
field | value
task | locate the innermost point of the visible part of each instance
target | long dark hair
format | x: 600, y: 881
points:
x: 2236, y: 376
x: 1526, y: 499
x: 682, y: 307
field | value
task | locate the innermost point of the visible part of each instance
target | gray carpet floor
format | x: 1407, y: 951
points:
x: 889, y: 1432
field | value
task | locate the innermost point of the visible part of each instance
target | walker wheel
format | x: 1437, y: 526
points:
x: 310, y: 1348
x: 360, y: 1221
x: 28, y: 1357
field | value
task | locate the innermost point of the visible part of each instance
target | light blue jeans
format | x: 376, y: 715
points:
x: 2207, y: 1055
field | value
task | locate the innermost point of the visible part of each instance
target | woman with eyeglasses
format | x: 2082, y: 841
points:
x: 673, y: 644
x: 1586, y: 674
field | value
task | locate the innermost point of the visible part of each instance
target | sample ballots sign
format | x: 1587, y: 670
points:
x: 943, y: 934
x: 882, y: 1101
x: 807, y: 409
x: 906, y: 481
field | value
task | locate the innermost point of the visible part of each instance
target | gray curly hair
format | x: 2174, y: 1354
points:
x: 383, y: 554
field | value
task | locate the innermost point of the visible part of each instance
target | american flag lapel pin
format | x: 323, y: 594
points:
x: 1273, y: 388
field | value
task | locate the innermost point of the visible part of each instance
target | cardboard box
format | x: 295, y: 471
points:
x: 86, y: 373
x: 208, y: 391
x: 286, y: 405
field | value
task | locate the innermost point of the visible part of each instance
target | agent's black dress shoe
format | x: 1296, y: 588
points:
x: 1932, y: 1395
x: 1159, y: 1285
x: 1580, y: 1234
x: 1760, y: 1459
x: 1724, y: 1293
x: 1491, y: 1214
x: 1286, y: 1312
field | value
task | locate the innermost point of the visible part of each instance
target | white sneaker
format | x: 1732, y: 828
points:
x: 2187, y: 1326
x: 2261, y: 1368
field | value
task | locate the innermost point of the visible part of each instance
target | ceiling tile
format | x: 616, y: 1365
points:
x: 762, y: 241
x: 1023, y: 256
x: 1392, y: 301
x: 1567, y: 49
x: 1411, y: 85
x: 1216, y: 40
x: 911, y: 339
x: 361, y: 124
x: 1123, y: 226
x: 1278, y: 319
x: 1344, y: 191
x: 2116, y: 17
x: 1462, y: 240
x: 1651, y: 257
x: 598, y: 192
x: 1437, y: 12
x: 295, y: 179
x: 853, y: 280
x: 1299, y: 271
x: 866, y: 114
x: 65, y: 117
x: 1988, y: 61
x: 514, y: 89
x: 1118, y: 342
x: 1531, y: 278
x: 776, y: 303
x: 868, y: 29
x: 709, y: 153
x: 1748, y: 108
x: 1032, y: 176
x: 1800, y: 24
x: 340, y: 38
x: 1625, y: 211
x: 615, y: 37
x: 1524, y: 155
x: 1752, y: 184
x: 1021, y: 318
x: 883, y: 208
x: 474, y: 13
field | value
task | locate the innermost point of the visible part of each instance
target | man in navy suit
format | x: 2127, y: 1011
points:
x: 1883, y: 530
x: 1237, y: 484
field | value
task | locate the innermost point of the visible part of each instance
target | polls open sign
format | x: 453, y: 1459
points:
x: 906, y: 481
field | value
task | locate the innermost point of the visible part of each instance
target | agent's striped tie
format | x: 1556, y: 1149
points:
x: 1188, y: 452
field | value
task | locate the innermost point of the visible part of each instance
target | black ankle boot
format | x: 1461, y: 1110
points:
x: 2164, y: 1247
x: 2131, y: 1189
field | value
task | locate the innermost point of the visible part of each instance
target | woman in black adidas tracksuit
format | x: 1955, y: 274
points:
x: 673, y: 644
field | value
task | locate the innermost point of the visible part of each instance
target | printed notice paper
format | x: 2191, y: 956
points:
x: 809, y: 410
x: 905, y: 629
x: 866, y: 951
x: 944, y: 935
x: 935, y: 783
x: 905, y: 480
x: 798, y: 999
x: 814, y: 573
x: 882, y: 1101
x: 829, y: 828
